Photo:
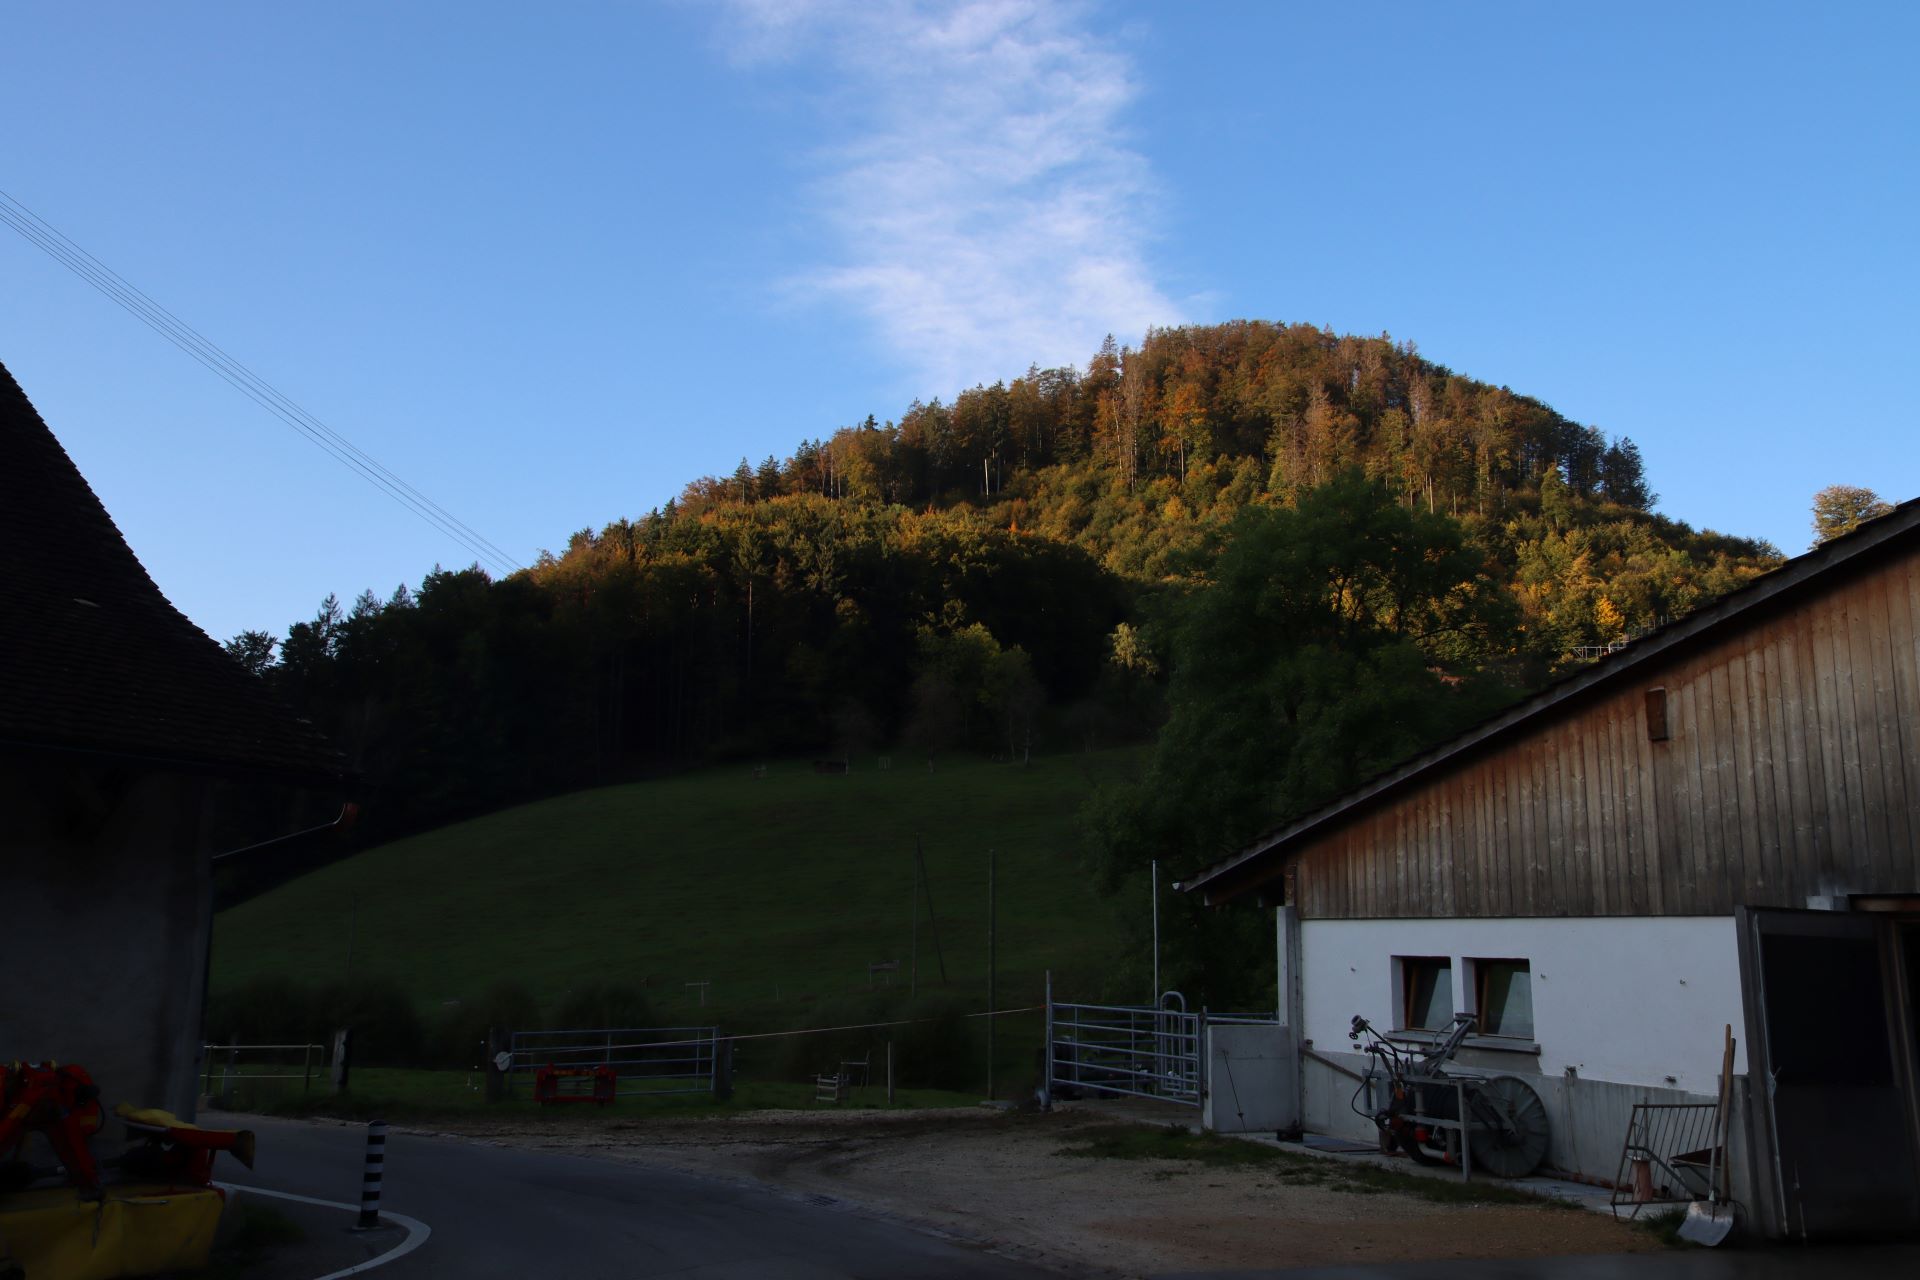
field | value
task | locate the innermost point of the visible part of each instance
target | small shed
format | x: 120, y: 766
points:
x: 1718, y: 825
x: 125, y: 735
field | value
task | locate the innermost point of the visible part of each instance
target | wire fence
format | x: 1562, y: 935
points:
x: 257, y: 1072
x: 643, y: 1059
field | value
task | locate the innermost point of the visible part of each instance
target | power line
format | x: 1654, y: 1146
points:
x: 50, y: 240
x: 38, y: 232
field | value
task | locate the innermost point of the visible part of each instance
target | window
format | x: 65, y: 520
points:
x: 1503, y: 995
x: 1426, y: 993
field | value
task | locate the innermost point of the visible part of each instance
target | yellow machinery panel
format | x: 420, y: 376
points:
x: 137, y: 1230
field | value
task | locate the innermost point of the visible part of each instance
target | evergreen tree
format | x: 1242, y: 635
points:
x: 1623, y: 477
x: 252, y: 650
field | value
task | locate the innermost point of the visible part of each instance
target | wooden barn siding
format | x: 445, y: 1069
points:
x: 1793, y: 770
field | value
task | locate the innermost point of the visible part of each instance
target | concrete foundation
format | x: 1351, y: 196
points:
x: 106, y: 909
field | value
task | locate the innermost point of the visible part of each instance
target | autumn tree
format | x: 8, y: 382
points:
x: 1842, y: 508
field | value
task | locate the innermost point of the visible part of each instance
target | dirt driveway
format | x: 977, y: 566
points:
x: 1075, y: 1191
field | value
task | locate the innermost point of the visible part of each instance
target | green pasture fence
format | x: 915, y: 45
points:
x: 259, y: 1071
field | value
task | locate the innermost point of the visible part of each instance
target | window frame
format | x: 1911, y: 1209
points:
x: 1405, y: 968
x: 1480, y: 971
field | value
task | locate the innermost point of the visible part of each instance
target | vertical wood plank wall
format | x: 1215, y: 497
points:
x: 1793, y: 770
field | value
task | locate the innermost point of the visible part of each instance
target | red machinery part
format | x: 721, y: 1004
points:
x: 61, y: 1102
x: 546, y: 1084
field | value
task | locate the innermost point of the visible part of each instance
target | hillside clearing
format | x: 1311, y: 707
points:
x: 778, y: 889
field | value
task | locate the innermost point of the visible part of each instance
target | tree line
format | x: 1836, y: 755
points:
x: 1017, y: 568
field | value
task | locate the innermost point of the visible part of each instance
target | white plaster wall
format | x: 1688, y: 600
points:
x: 1633, y: 1000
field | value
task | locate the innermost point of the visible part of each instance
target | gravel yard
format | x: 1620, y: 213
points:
x: 1077, y: 1192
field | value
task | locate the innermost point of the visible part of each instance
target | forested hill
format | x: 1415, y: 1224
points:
x: 1000, y: 573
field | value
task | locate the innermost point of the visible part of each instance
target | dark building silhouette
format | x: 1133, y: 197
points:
x: 127, y: 736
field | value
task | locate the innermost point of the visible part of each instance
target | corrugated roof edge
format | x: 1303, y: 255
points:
x: 1902, y: 523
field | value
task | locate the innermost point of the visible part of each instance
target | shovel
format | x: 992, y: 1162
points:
x: 1709, y: 1222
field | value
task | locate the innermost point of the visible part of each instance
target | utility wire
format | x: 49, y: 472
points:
x: 102, y: 278
x: 44, y: 236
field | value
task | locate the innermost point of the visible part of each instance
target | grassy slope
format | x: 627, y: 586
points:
x: 780, y: 890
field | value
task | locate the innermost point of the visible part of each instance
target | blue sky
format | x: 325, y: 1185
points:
x: 548, y: 266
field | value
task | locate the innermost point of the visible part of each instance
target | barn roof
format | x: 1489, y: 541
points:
x: 95, y: 658
x: 1262, y: 861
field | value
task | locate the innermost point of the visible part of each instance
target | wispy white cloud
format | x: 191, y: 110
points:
x: 987, y: 208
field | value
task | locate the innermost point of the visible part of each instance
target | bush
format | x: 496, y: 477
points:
x: 387, y: 1030
x: 262, y: 1011
x: 801, y: 1057
x: 276, y: 1010
x: 459, y: 1035
x: 938, y: 1048
x: 942, y: 1048
x: 600, y: 1005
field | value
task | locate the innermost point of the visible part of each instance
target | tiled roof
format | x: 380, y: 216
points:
x: 93, y: 657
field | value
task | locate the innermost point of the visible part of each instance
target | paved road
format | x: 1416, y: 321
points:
x: 502, y: 1212
x: 509, y: 1213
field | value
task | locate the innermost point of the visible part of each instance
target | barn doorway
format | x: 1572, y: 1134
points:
x: 1831, y: 1020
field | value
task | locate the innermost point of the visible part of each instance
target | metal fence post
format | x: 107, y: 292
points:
x: 370, y: 1180
x: 494, y: 1088
x: 1202, y: 1059
x: 722, y: 1068
x: 1046, y: 1050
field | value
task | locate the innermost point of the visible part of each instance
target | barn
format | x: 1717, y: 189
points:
x: 1716, y: 826
x: 134, y: 751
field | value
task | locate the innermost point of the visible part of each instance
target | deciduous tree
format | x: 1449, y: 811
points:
x: 1842, y: 508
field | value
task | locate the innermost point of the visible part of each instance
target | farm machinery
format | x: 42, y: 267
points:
x: 1439, y: 1115
x: 150, y: 1209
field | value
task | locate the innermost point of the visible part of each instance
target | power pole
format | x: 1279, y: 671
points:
x: 991, y: 1006
x: 933, y: 922
x: 1154, y: 873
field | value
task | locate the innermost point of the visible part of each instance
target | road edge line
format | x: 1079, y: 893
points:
x: 417, y: 1231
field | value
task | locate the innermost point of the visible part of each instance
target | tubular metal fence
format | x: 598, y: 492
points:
x: 1126, y: 1051
x: 1673, y: 1154
x: 233, y: 1069
x: 646, y: 1060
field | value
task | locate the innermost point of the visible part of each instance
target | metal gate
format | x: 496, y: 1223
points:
x: 647, y: 1060
x: 1126, y: 1051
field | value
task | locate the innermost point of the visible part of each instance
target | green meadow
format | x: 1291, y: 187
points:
x: 775, y: 888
